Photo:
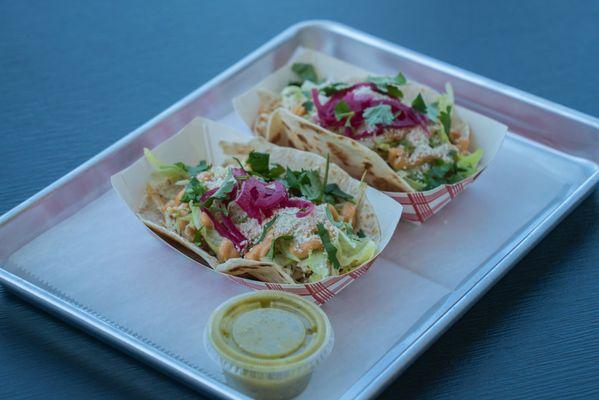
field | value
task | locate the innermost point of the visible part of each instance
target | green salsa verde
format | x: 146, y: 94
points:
x: 269, y: 342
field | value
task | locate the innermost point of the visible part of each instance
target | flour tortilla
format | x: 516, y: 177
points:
x: 291, y: 130
x: 158, y: 193
x: 260, y: 109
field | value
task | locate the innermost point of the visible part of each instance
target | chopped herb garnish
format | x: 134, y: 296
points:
x: 388, y: 84
x: 326, y: 174
x: 273, y: 245
x: 380, y: 114
x: 276, y: 171
x: 311, y: 185
x: 238, y: 161
x: 393, y: 91
x: 419, y: 105
x: 193, y: 190
x: 445, y: 119
x: 201, y: 167
x: 258, y: 162
x: 407, y: 145
x: 342, y: 111
x: 328, y: 246
x: 332, y: 189
x: 223, y: 192
x: 306, y: 72
x: 265, y: 230
x: 308, y: 106
x: 198, y: 239
x: 334, y: 88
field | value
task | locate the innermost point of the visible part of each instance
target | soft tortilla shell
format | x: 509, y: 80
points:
x: 286, y: 129
x: 152, y: 216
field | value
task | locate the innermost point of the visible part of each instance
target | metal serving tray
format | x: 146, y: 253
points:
x: 75, y: 250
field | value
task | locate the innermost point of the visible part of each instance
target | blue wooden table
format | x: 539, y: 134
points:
x: 75, y: 76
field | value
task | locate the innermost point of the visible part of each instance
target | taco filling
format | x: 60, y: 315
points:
x: 256, y: 211
x: 417, y: 133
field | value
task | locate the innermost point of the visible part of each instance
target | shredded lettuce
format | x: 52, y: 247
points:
x: 292, y: 97
x: 279, y: 246
x: 171, y: 171
x: 212, y: 238
x: 416, y: 184
x: 445, y: 100
x: 353, y: 250
x: 195, y: 216
x: 467, y: 164
x: 317, y: 263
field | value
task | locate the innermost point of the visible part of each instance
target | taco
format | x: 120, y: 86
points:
x: 270, y: 214
x: 404, y: 136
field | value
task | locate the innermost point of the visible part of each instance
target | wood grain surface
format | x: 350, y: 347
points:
x: 75, y: 76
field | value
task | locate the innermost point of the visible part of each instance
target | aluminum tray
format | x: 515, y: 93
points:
x: 105, y: 280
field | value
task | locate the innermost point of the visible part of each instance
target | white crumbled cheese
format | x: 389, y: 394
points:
x: 423, y: 149
x: 366, y: 91
x: 302, y: 229
x: 250, y: 228
x: 214, y: 177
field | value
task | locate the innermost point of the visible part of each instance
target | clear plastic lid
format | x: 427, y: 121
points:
x: 268, y: 336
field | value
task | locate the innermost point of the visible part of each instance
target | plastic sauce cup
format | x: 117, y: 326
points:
x: 268, y: 343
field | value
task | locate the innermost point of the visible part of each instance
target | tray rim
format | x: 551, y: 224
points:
x: 390, y: 365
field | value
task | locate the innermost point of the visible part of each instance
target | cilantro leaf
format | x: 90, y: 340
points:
x: 445, y: 119
x: 291, y: 179
x: 328, y: 246
x: 334, y: 190
x: 388, y: 84
x: 438, y: 173
x: 197, y: 238
x: 335, y: 88
x: 276, y: 171
x: 342, y: 111
x: 419, y: 105
x: 380, y: 114
x: 265, y: 230
x: 394, y: 92
x: 273, y: 245
x: 201, y: 167
x: 306, y: 72
x: 432, y: 111
x: 193, y: 190
x: 311, y: 185
x: 259, y: 162
x: 223, y: 191
x: 308, y: 106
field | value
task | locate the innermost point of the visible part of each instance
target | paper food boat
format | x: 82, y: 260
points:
x: 199, y: 140
x: 486, y: 133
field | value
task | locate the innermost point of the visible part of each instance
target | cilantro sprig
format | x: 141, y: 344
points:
x: 379, y: 114
x: 445, y: 119
x: 305, y: 72
x: 193, y: 191
x: 343, y: 111
x: 265, y: 230
x: 389, y: 84
x: 259, y: 164
x: 329, y: 248
x: 419, y: 105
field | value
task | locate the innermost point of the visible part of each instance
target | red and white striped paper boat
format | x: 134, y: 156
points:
x: 318, y: 292
x: 486, y: 133
x: 420, y: 206
x: 199, y: 140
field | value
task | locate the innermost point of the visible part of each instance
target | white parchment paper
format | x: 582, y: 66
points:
x: 106, y: 260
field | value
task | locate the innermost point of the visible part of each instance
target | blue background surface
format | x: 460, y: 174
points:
x: 75, y: 76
